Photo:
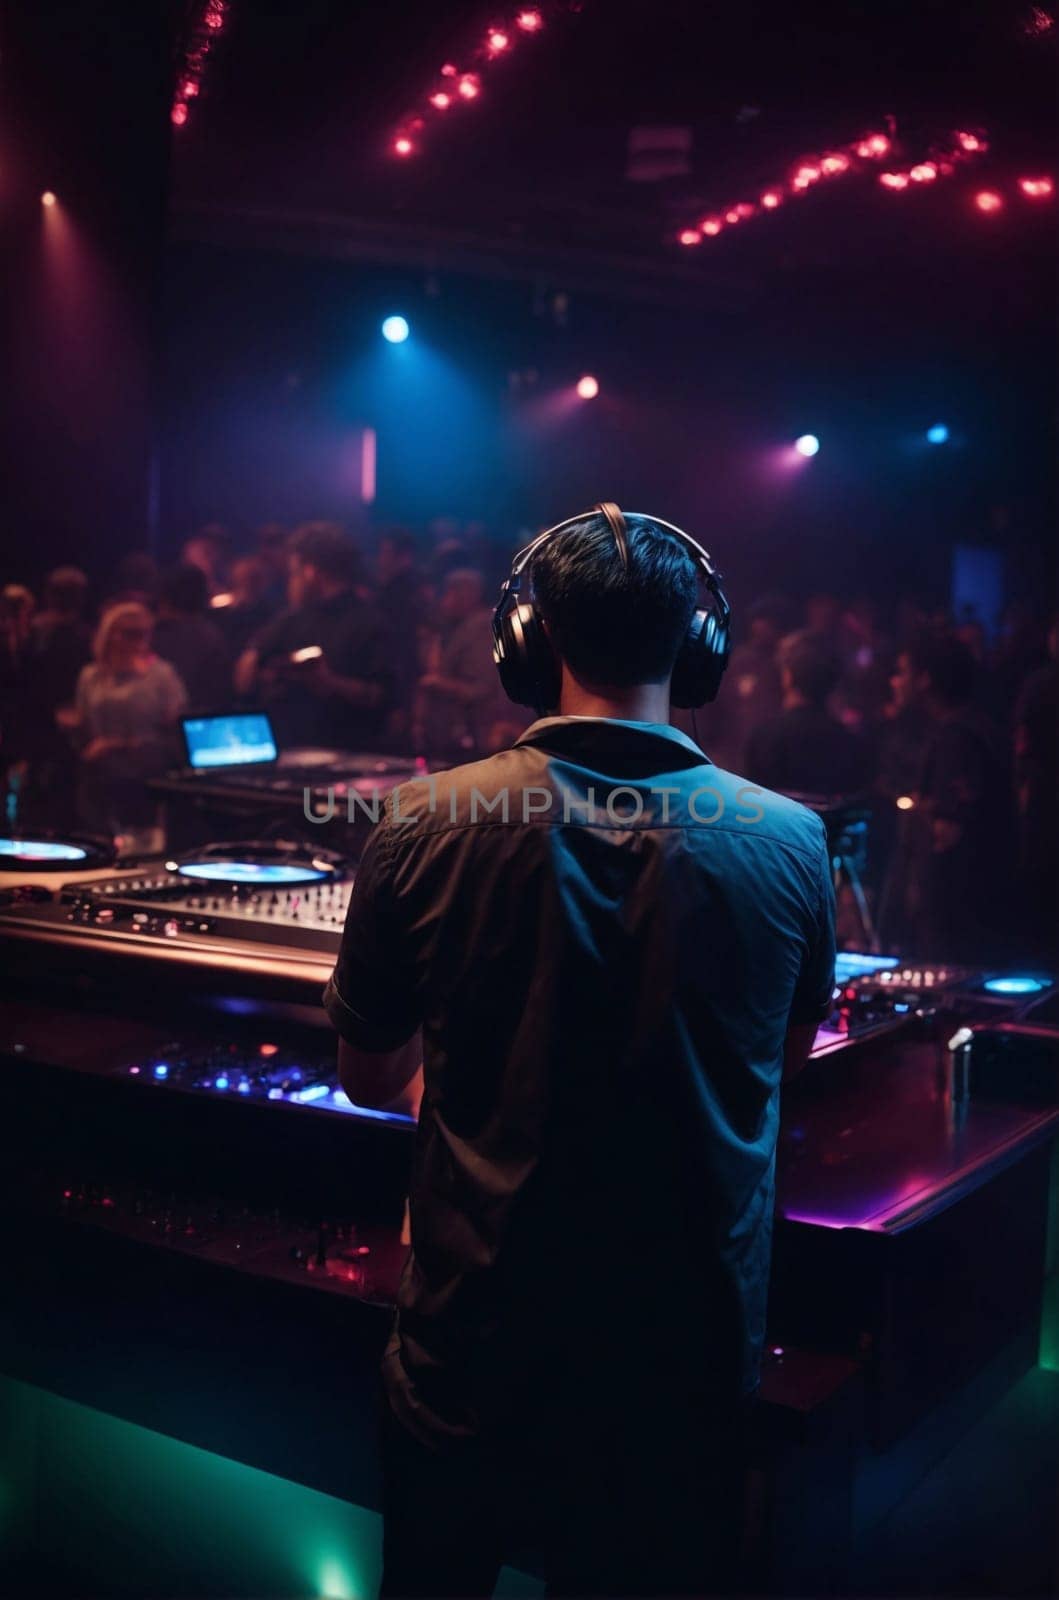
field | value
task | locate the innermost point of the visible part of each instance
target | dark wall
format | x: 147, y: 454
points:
x: 84, y: 107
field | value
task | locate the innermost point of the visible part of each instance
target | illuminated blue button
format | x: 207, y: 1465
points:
x: 220, y: 1083
x: 161, y: 1070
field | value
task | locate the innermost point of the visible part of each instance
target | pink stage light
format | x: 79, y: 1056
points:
x: 47, y: 198
x: 403, y: 146
x: 179, y: 114
x: 587, y: 387
x: 690, y: 236
x: 497, y: 41
x: 712, y: 226
x: 469, y: 86
x: 529, y: 21
x: 731, y: 216
x: 924, y: 172
x: 771, y: 199
x: 441, y: 101
x: 1037, y: 188
x: 894, y: 180
x: 874, y: 146
x: 988, y: 200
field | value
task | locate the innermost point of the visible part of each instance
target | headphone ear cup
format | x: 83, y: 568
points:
x: 526, y: 662
x: 701, y: 661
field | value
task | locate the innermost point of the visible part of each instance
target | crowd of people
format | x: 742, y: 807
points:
x: 946, y: 741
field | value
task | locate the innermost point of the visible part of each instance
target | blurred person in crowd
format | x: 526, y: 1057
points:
x: 17, y: 605
x: 208, y: 550
x: 135, y: 580
x: 804, y: 749
x: 1020, y: 649
x: 60, y: 645
x: 823, y: 616
x: 953, y: 863
x: 242, y: 610
x: 185, y: 636
x: 320, y: 667
x: 459, y: 705
x: 270, y: 547
x: 866, y: 661
x: 1037, y: 794
x: 753, y: 686
x: 125, y: 711
x: 398, y: 602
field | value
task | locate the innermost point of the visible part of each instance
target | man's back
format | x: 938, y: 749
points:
x: 605, y: 939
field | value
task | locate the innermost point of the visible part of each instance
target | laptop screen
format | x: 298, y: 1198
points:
x: 238, y: 740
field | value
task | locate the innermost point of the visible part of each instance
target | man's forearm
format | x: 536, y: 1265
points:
x: 382, y: 1079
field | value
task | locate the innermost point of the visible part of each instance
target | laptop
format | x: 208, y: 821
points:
x: 239, y: 742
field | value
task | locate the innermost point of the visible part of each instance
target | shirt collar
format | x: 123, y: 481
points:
x: 565, y: 736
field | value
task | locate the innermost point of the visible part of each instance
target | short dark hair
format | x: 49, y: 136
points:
x: 184, y: 588
x: 950, y: 666
x: 814, y: 668
x: 326, y: 547
x: 613, y: 626
x: 66, y: 590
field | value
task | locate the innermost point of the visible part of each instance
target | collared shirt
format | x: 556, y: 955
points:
x: 604, y: 939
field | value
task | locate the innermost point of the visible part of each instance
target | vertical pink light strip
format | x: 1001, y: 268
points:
x: 367, y: 466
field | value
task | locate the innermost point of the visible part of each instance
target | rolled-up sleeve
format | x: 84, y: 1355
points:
x: 816, y: 981
x: 371, y: 995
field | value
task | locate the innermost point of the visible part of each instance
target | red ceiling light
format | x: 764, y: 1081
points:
x: 731, y: 216
x: 924, y: 172
x: 771, y: 199
x: 973, y: 143
x: 463, y: 83
x: 690, y: 236
x: 712, y: 226
x: 894, y: 180
x: 1037, y: 188
x: 874, y: 146
x: 830, y: 166
x: 179, y: 114
x: 988, y: 200
x: 402, y: 145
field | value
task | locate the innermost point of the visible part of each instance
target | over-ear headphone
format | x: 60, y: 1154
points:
x: 528, y: 666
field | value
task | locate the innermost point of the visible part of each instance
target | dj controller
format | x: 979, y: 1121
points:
x: 273, y: 912
x: 178, y: 1144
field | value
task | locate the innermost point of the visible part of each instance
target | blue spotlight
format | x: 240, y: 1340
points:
x: 396, y: 330
x: 938, y: 434
x: 807, y: 445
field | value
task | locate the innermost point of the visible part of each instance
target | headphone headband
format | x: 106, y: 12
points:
x: 528, y: 668
x: 698, y: 554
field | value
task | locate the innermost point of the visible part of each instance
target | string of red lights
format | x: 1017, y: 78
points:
x: 456, y: 86
x: 842, y: 161
x: 202, y: 35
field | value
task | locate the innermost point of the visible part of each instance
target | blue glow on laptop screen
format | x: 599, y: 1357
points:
x: 235, y: 741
